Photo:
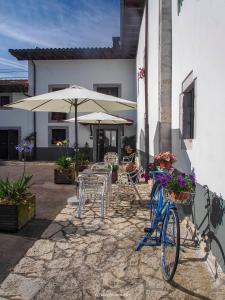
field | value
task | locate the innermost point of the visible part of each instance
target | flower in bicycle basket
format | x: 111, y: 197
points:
x: 177, y: 182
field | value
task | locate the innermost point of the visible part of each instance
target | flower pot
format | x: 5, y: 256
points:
x: 165, y: 164
x: 65, y: 176
x: 114, y: 176
x: 182, y: 196
x: 14, y: 216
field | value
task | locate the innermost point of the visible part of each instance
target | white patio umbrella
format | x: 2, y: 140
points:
x: 98, y: 118
x: 74, y: 99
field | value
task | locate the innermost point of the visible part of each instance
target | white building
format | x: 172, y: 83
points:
x: 181, y: 47
x: 107, y: 70
x: 14, y: 124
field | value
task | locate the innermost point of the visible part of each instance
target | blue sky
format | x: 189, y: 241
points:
x: 54, y: 23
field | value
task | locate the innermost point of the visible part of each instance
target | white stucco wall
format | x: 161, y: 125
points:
x: 85, y: 73
x: 199, y: 45
x: 140, y: 63
x: 153, y: 75
x: 17, y: 118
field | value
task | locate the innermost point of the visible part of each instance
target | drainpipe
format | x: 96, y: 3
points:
x: 34, y: 113
x: 146, y: 87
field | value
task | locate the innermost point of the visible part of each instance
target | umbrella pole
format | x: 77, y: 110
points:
x: 98, y: 140
x: 76, y: 139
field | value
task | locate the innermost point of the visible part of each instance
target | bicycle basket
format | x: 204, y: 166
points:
x: 182, y: 198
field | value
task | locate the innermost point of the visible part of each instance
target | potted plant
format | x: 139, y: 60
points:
x: 83, y: 162
x: 165, y: 160
x: 179, y: 186
x: 17, y: 203
x: 64, y: 172
x: 114, y: 172
x: 152, y: 166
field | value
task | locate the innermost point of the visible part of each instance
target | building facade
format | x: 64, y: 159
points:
x: 181, y: 49
x: 14, y: 124
x: 107, y: 70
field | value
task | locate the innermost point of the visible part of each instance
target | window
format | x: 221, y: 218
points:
x: 108, y: 89
x: 57, y: 116
x: 187, y: 112
x: 113, y: 91
x: 4, y: 100
x: 58, y: 135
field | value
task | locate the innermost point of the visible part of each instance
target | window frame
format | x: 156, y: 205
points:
x: 188, y: 85
x: 108, y: 85
x: 50, y: 88
x: 10, y: 100
x: 50, y: 128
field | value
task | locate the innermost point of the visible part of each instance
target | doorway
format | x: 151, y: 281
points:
x: 8, y: 142
x: 107, y: 141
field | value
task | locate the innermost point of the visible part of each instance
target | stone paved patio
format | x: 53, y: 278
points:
x: 94, y: 259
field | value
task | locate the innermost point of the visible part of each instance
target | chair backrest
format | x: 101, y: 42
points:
x: 93, y: 182
x: 101, y: 165
x: 129, y: 158
x: 111, y: 158
x: 136, y: 174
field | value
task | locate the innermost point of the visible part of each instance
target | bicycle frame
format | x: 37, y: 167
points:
x: 160, y: 208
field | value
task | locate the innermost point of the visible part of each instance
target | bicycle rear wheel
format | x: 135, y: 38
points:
x: 170, y: 244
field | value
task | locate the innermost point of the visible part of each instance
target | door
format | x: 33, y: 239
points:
x: 3, y: 144
x: 8, y: 143
x: 107, y: 141
x: 12, y: 143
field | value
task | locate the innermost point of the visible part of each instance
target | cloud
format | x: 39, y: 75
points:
x: 55, y: 23
x: 60, y: 23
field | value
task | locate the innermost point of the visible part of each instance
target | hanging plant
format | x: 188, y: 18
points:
x: 141, y: 73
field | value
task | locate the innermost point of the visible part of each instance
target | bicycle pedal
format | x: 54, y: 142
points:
x: 147, y: 229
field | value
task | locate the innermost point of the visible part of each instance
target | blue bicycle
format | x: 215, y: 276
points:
x: 164, y: 229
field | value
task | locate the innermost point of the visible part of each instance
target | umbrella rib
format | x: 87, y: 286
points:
x: 100, y: 106
x: 83, y: 101
x: 41, y: 104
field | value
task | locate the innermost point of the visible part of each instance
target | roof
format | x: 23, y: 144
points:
x: 66, y: 53
x: 131, y: 16
x: 9, y: 86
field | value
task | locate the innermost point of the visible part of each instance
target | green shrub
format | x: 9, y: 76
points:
x: 14, y: 191
x: 64, y: 162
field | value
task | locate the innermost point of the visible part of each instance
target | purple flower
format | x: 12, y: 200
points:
x: 19, y: 148
x: 181, y: 181
x: 28, y: 148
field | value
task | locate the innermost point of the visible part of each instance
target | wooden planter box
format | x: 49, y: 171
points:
x: 114, y: 176
x: 64, y: 176
x: 13, y: 217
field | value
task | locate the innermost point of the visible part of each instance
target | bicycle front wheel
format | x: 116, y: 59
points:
x: 170, y: 244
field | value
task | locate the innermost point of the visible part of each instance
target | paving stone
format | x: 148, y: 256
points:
x: 59, y: 263
x: 41, y: 247
x: 28, y: 265
x: 17, y: 285
x: 90, y: 258
x: 51, y: 230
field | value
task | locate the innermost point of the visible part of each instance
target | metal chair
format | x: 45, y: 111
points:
x: 129, y: 180
x: 91, y: 187
x: 111, y: 158
x: 128, y: 158
x: 103, y: 168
